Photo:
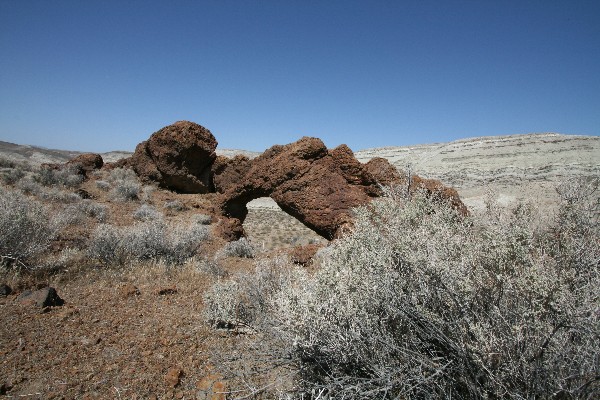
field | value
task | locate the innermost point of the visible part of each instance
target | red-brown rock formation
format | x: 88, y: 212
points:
x: 316, y: 186
x: 384, y: 172
x: 178, y: 157
x: 438, y: 190
x: 228, y: 172
x: 87, y: 162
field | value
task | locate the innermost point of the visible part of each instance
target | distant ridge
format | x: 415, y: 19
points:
x: 527, y: 166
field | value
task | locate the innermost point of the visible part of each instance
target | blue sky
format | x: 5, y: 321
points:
x: 104, y: 75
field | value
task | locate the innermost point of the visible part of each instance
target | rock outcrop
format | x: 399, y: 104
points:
x: 384, y: 172
x: 317, y: 186
x: 86, y: 163
x: 179, y: 157
x: 228, y: 172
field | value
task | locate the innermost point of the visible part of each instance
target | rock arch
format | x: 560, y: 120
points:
x: 315, y: 185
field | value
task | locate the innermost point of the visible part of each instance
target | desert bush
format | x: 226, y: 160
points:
x: 79, y: 211
x: 241, y: 248
x: 103, y: 185
x: 147, y: 213
x: 419, y: 302
x: 67, y: 176
x: 174, y: 205
x: 245, y: 300
x: 58, y: 195
x: 202, y: 219
x: 11, y: 176
x: 147, y: 193
x: 125, y: 184
x: 29, y: 186
x: 125, y: 191
x: 26, y: 228
x: 122, y: 174
x: 7, y: 163
x: 15, y: 164
x: 210, y: 267
x: 94, y: 210
x: 150, y: 240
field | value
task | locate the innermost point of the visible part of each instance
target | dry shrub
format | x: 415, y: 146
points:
x: 147, y: 213
x: 419, y: 302
x: 65, y: 176
x: 125, y: 184
x: 241, y: 248
x: 149, y: 240
x: 26, y: 228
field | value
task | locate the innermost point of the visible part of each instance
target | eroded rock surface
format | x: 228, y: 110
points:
x: 317, y: 186
x: 87, y: 162
x: 179, y: 157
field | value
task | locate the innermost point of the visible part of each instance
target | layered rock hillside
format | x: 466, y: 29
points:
x: 512, y: 167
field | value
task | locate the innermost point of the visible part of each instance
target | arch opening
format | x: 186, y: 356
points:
x: 269, y: 227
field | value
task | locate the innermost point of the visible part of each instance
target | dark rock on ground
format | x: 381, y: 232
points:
x: 46, y: 297
x: 5, y: 290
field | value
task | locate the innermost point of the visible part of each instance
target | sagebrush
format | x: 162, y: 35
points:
x: 420, y: 302
x: 26, y: 228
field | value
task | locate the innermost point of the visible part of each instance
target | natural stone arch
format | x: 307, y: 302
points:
x: 316, y: 186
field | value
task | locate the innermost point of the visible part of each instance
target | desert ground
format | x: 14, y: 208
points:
x: 135, y: 330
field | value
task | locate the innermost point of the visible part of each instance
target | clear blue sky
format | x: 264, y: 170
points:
x: 103, y: 75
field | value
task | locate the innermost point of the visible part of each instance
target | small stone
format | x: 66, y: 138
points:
x: 173, y: 376
x: 167, y: 291
x: 5, y: 290
x: 211, y: 388
x: 128, y: 290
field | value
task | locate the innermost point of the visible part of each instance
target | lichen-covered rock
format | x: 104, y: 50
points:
x: 179, y: 157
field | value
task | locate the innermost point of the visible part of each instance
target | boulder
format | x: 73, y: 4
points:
x: 178, y: 157
x: 86, y: 163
